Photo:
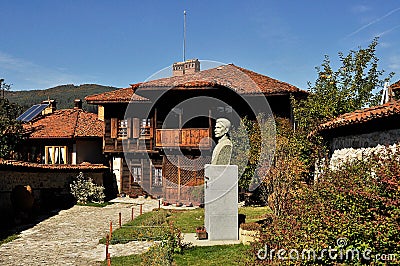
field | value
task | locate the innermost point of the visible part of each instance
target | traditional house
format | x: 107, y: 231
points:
x: 158, y: 133
x: 68, y: 136
x: 357, y: 134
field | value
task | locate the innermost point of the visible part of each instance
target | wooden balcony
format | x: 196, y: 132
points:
x: 183, y: 138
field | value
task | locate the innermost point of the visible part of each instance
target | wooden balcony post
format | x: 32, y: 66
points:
x: 179, y: 179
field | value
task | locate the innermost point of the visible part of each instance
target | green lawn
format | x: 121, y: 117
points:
x: 186, y: 221
x: 95, y: 204
x: 213, y: 255
x: 8, y: 238
x: 254, y: 214
x: 152, y: 225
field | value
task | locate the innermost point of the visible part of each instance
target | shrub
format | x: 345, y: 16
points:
x: 162, y: 253
x: 85, y: 191
x: 281, y: 179
x: 358, y: 204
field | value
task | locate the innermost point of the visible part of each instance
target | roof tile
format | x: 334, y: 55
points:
x: 83, y: 166
x: 241, y: 80
x: 66, y: 123
x: 362, y: 116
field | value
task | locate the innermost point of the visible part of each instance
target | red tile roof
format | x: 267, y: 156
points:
x: 121, y: 95
x: 395, y: 86
x: 361, y: 116
x: 241, y: 80
x: 83, y: 166
x: 67, y: 123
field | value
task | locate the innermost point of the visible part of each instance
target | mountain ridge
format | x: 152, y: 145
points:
x: 63, y: 94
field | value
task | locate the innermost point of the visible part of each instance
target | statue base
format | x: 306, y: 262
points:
x: 221, y: 202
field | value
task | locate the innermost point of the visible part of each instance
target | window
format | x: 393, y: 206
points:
x: 56, y: 155
x: 145, y: 128
x: 157, y: 176
x: 122, y: 128
x: 224, y: 109
x: 136, y: 174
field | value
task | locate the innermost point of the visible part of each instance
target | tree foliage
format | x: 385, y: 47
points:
x: 11, y: 131
x: 359, y: 202
x: 253, y: 145
x: 281, y: 179
x: 354, y: 85
x: 63, y: 94
x: 85, y: 191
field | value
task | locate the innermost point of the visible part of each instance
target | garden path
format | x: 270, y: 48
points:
x: 71, y: 237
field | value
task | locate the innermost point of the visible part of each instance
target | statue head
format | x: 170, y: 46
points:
x: 222, y: 126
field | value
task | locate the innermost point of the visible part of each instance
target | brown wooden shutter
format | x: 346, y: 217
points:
x: 135, y: 128
x: 129, y: 128
x: 152, y: 128
x: 114, y: 128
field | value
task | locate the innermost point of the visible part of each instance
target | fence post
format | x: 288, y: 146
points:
x: 120, y: 220
x: 107, y: 243
x: 133, y: 214
x: 108, y: 259
x: 110, y: 229
x: 141, y: 208
x: 159, y: 204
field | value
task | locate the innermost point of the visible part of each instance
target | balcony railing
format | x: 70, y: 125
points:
x: 183, y: 138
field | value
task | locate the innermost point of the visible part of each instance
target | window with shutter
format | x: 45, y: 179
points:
x: 123, y: 128
x: 114, y: 128
x: 135, y: 128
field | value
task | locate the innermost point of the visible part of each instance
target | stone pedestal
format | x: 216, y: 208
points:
x: 221, y: 202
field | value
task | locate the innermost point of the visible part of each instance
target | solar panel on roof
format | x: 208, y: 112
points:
x: 32, y: 112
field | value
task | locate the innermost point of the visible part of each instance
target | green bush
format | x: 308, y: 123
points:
x: 85, y: 191
x: 356, y: 207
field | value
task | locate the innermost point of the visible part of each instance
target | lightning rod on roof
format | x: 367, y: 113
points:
x: 184, y: 35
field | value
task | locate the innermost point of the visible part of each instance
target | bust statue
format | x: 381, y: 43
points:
x: 223, y: 150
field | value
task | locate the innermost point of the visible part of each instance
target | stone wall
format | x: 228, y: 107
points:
x: 361, y: 146
x: 50, y: 185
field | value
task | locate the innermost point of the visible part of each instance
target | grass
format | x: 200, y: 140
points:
x: 94, y: 204
x: 125, y: 260
x: 9, y: 238
x: 212, y: 255
x: 187, y: 221
x: 152, y: 225
x: 254, y: 214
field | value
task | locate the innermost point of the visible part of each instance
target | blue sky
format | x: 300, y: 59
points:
x: 47, y: 43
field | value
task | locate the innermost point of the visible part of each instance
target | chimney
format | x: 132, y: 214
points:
x: 187, y: 67
x: 387, y: 94
x: 51, y: 108
x: 77, y: 104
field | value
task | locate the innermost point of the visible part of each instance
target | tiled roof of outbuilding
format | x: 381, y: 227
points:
x: 83, y: 166
x: 120, y: 95
x: 395, y: 86
x: 362, y: 116
x: 66, y: 123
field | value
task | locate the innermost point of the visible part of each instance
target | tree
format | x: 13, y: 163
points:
x: 11, y: 131
x: 353, y: 86
x: 281, y: 179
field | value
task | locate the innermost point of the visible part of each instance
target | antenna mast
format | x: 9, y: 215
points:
x: 184, y: 35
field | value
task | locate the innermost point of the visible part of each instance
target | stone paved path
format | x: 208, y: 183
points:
x: 71, y: 237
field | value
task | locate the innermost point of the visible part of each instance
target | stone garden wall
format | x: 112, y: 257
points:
x: 360, y: 146
x: 48, y: 185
